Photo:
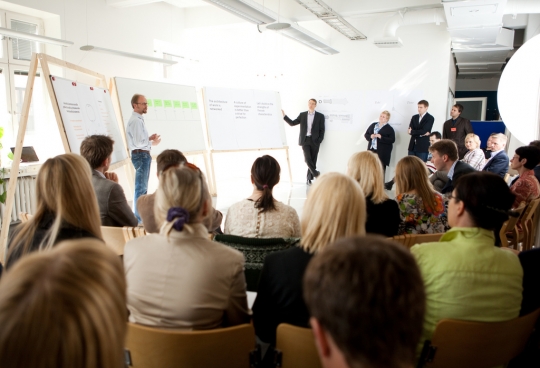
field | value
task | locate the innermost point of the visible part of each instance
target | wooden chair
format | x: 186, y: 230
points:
x: 116, y: 238
x: 295, y: 348
x: 509, y: 227
x: 423, y: 238
x: 402, y: 239
x: 467, y: 344
x: 527, y: 226
x: 231, y: 347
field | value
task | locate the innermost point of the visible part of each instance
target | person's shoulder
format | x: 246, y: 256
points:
x: 464, y: 167
x: 293, y: 254
x: 146, y: 199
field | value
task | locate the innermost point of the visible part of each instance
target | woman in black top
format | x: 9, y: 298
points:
x: 382, y: 212
x: 381, y: 137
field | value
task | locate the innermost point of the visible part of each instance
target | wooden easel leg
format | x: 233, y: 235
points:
x: 289, y: 164
x: 214, y: 185
x: 209, y: 175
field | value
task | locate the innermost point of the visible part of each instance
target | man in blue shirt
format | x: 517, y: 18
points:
x: 140, y: 144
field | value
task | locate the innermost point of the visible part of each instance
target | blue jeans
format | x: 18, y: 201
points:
x: 421, y: 155
x: 141, y: 161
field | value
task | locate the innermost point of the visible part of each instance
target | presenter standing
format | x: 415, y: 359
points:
x: 420, y: 130
x: 139, y: 144
x: 311, y: 136
x: 381, y: 138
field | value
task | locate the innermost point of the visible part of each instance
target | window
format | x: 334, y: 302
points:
x: 23, y: 49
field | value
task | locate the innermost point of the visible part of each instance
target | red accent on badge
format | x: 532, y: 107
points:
x: 91, y: 88
x: 73, y: 84
x: 53, y: 78
x: 104, y: 91
x: 453, y: 129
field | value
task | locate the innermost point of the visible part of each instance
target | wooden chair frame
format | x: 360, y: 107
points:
x: 295, y: 348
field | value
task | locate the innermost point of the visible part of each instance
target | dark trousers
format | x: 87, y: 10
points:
x: 311, y: 151
x: 421, y: 155
x: 382, y: 163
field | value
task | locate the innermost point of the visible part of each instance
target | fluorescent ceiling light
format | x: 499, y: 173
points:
x: 333, y: 19
x: 32, y: 37
x: 301, y: 35
x: 243, y: 10
x: 127, y: 54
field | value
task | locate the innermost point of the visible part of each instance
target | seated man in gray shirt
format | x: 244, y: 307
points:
x: 113, y: 207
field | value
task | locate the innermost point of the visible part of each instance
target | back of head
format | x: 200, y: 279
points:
x: 535, y: 144
x: 366, y: 168
x: 412, y: 175
x: 265, y: 175
x: 531, y: 153
x: 436, y: 134
x: 445, y: 147
x: 169, y: 158
x: 64, y: 189
x: 335, y: 207
x: 486, y: 197
x: 368, y: 294
x: 64, y: 308
x: 96, y: 149
x: 179, y: 197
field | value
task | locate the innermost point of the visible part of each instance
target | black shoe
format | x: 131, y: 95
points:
x: 389, y: 185
x: 317, y: 173
x: 308, y: 182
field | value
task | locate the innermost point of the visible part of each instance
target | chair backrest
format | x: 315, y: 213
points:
x: 467, y: 344
x: 424, y: 238
x: 295, y: 347
x: 148, y: 347
x: 510, y: 225
x: 402, y: 239
x: 116, y: 238
x: 526, y: 222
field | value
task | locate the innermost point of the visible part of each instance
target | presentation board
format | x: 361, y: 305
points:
x: 244, y: 119
x: 173, y: 113
x: 87, y: 110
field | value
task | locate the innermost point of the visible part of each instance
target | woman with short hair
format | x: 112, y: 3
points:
x: 260, y: 215
x: 475, y: 156
x: 422, y: 208
x: 335, y: 208
x: 382, y: 212
x: 179, y: 278
x: 381, y: 137
x: 66, y: 208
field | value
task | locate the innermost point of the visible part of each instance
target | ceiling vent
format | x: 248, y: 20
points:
x: 388, y: 42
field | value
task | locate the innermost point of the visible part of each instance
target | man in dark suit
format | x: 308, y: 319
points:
x: 498, y: 162
x: 420, y: 129
x: 457, y: 129
x: 445, y: 158
x: 311, y: 136
x: 113, y: 207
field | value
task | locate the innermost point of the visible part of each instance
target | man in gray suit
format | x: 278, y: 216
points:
x: 113, y: 207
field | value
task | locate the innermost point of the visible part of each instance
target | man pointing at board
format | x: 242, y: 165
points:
x: 311, y: 136
x: 140, y: 143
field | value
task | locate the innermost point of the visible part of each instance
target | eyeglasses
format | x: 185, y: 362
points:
x: 142, y: 103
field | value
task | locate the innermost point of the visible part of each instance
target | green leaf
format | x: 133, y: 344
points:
x: 1, y: 132
x: 3, y: 197
x: 10, y: 155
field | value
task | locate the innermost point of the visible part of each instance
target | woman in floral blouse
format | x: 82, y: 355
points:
x: 421, y: 208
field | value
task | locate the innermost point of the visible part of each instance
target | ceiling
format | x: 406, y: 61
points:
x: 482, y: 31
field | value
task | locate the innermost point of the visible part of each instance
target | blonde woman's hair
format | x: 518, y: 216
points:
x: 185, y: 187
x: 412, y: 174
x: 387, y: 113
x: 64, y: 189
x: 474, y: 137
x: 366, y: 168
x: 64, y: 308
x: 335, y: 208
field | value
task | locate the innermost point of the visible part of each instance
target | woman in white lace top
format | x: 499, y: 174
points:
x: 260, y: 215
x: 475, y: 157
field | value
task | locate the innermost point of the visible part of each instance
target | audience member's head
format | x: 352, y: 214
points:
x: 366, y: 299
x: 169, y: 158
x: 97, y: 150
x: 434, y: 137
x: 535, y: 144
x: 384, y: 117
x: 63, y: 189
x: 498, y: 142
x: 182, y: 198
x: 335, y: 207
x: 527, y: 157
x: 456, y: 111
x: 481, y: 198
x: 423, y: 106
x: 412, y: 177
x: 472, y: 141
x: 443, y: 154
x: 64, y: 308
x: 366, y: 168
x: 264, y: 176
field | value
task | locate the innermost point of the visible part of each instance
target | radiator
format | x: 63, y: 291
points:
x: 25, y: 198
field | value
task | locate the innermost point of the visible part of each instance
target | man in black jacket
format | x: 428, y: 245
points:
x: 419, y: 130
x: 445, y: 158
x: 311, y: 136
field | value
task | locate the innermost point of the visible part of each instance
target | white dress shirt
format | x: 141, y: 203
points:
x: 136, y: 133
x: 310, y: 117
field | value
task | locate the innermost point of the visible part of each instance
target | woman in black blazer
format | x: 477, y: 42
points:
x: 381, y: 138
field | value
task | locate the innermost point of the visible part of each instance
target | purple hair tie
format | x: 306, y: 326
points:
x: 181, y: 216
x: 265, y: 186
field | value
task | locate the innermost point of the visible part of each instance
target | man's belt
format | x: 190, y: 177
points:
x: 139, y: 151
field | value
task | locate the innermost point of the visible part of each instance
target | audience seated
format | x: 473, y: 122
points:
x: 366, y: 299
x: 113, y: 207
x: 498, y: 162
x: 145, y: 204
x: 66, y: 208
x: 526, y: 186
x: 537, y: 168
x: 382, y: 212
x: 260, y: 215
x: 433, y: 137
x: 64, y: 308
x: 487, y: 150
x: 475, y: 156
x: 178, y: 278
x: 445, y: 158
x: 421, y: 208
x: 466, y: 277
x: 335, y: 207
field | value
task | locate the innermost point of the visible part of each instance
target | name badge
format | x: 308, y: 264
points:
x: 453, y: 129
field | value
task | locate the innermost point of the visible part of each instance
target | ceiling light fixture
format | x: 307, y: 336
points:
x: 127, y: 54
x: 33, y: 37
x: 243, y: 10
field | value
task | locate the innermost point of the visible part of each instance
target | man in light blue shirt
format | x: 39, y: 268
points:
x: 139, y: 144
